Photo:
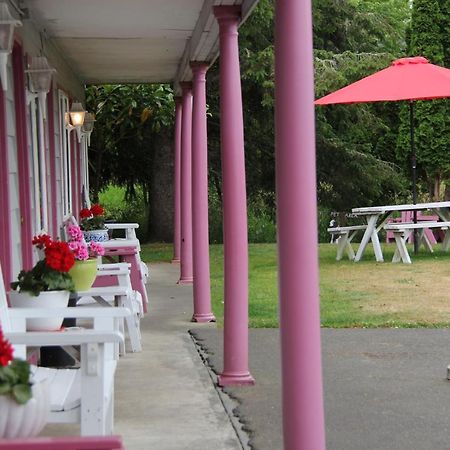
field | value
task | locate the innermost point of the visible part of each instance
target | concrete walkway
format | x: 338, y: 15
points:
x: 165, y: 398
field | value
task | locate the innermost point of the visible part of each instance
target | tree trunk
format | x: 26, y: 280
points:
x: 161, y: 188
x: 437, y: 187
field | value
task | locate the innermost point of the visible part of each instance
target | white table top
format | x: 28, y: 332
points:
x: 383, y: 209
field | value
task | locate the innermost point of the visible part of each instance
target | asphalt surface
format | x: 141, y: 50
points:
x: 385, y: 389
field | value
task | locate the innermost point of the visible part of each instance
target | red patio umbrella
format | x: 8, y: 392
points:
x: 405, y: 79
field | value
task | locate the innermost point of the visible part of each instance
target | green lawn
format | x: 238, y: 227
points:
x: 364, y: 294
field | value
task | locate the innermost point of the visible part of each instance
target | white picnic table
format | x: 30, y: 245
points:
x: 377, y: 216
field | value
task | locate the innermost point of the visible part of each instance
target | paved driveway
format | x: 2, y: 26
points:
x: 385, y: 389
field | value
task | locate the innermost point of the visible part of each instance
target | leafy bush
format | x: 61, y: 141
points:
x: 215, y: 217
x: 119, y: 209
x: 323, y: 218
x: 260, y: 218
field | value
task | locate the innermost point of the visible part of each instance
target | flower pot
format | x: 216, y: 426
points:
x: 96, y: 235
x: 23, y: 421
x: 83, y: 274
x: 48, y: 300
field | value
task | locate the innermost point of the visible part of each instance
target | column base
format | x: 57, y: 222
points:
x: 185, y: 280
x: 235, y: 380
x: 203, y: 318
x: 175, y: 261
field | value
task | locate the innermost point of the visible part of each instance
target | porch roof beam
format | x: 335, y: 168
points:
x: 204, y: 43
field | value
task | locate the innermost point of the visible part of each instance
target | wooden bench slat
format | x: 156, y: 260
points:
x: 344, y: 229
x: 418, y: 225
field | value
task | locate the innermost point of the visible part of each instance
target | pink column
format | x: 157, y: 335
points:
x: 186, y: 185
x: 200, y: 234
x: 176, y: 183
x: 303, y: 417
x: 235, y: 369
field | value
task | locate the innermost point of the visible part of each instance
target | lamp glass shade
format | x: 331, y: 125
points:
x: 40, y: 74
x: 77, y: 114
x: 7, y: 24
x: 88, y: 124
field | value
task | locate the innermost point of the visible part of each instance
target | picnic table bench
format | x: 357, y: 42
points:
x: 377, y: 216
x: 344, y: 237
x: 402, y: 232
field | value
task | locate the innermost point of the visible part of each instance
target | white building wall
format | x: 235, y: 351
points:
x: 16, y: 248
x: 34, y: 43
x: 63, y: 79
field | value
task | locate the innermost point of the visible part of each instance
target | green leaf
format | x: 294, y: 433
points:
x: 21, y: 369
x: 22, y: 393
x: 5, y: 388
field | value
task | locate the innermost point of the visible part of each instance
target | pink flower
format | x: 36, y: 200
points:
x: 73, y: 245
x: 96, y: 249
x: 75, y: 233
x: 79, y: 250
x: 82, y: 253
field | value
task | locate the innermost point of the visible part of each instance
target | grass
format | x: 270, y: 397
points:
x: 364, y: 294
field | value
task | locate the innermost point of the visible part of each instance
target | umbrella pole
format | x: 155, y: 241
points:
x: 414, y: 174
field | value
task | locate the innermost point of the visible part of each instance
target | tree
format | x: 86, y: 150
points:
x: 133, y: 122
x: 352, y: 40
x: 432, y: 118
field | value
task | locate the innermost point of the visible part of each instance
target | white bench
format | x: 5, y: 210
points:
x: 402, y: 232
x: 345, y: 236
x: 84, y: 395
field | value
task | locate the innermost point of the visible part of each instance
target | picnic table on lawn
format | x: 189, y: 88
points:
x: 377, y: 217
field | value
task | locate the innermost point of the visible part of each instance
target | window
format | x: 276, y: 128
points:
x: 66, y: 169
x: 39, y: 166
x: 85, y: 172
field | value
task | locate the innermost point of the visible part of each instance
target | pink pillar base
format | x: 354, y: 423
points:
x: 203, y: 318
x: 185, y: 281
x: 235, y: 380
x: 175, y: 261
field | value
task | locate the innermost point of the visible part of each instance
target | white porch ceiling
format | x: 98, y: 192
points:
x: 134, y: 41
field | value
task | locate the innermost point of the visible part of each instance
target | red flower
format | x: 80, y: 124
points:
x: 59, y: 257
x: 97, y: 210
x: 85, y: 213
x: 42, y: 241
x: 6, y: 350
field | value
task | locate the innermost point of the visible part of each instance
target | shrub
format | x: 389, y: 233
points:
x: 120, y: 210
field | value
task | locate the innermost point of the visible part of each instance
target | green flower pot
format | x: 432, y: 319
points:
x: 83, y: 274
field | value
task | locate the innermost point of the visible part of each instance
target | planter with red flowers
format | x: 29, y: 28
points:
x: 92, y: 222
x: 24, y: 405
x: 47, y: 285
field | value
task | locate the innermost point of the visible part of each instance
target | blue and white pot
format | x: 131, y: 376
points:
x: 96, y: 235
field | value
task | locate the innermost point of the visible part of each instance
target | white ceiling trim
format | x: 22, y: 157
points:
x: 137, y: 41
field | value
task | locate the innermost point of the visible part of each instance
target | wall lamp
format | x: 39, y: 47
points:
x: 7, y: 25
x: 40, y: 75
x: 75, y: 118
x: 88, y: 126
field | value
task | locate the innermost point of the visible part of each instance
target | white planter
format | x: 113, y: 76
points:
x: 96, y: 235
x: 22, y: 421
x: 48, y: 300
